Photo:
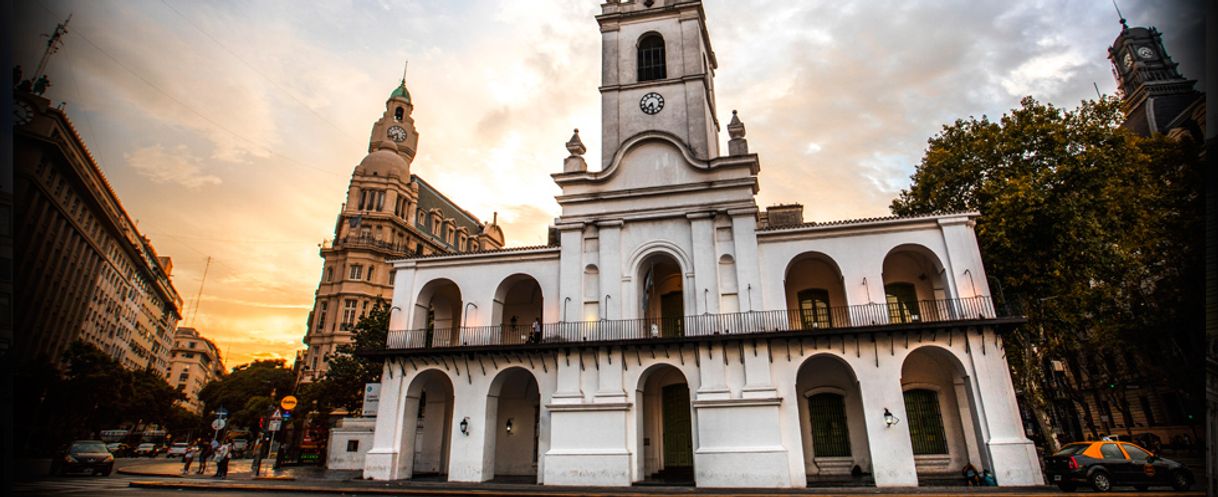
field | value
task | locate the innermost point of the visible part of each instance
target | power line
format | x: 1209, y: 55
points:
x: 254, y: 68
x: 211, y: 239
x: 152, y: 85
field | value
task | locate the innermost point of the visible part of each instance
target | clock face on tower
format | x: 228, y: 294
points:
x: 1145, y: 52
x: 397, y: 133
x: 651, y: 103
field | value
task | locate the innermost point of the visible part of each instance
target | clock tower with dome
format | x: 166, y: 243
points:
x: 389, y: 213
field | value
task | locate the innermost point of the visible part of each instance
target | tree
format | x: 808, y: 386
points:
x: 1092, y: 229
x: 348, y: 371
x: 246, y: 391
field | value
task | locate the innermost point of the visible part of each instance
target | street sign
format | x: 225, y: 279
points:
x: 277, y: 416
x: 218, y: 424
x: 273, y: 425
x: 288, y: 403
x: 222, y: 412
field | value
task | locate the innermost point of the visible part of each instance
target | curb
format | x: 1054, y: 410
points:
x: 223, y: 485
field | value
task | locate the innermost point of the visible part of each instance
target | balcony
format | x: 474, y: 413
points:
x: 367, y: 242
x: 868, y: 317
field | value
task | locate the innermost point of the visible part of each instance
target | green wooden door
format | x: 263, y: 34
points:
x: 672, y: 312
x: 678, y: 437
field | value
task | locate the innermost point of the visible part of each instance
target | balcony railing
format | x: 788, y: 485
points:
x: 825, y: 318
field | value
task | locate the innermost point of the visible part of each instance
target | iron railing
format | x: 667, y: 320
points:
x: 606, y: 330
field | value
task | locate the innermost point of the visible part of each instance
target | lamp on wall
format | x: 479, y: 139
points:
x: 889, y: 419
x: 508, y: 426
x: 465, y: 426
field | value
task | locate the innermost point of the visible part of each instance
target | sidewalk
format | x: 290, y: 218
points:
x: 301, y: 480
x: 238, y: 469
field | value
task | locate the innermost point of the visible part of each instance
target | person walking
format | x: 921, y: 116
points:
x: 223, y: 453
x: 204, y: 455
x: 189, y: 457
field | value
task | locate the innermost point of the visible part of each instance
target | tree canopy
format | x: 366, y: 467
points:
x: 343, y: 384
x: 1093, y: 230
x: 246, y: 391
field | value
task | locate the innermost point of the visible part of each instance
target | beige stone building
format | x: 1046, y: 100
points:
x: 89, y: 273
x: 389, y: 213
x: 196, y: 362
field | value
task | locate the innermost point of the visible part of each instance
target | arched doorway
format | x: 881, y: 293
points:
x: 518, y: 302
x: 831, y: 422
x: 665, y: 426
x: 662, y: 295
x: 428, y: 425
x: 513, y: 412
x: 940, y: 413
x: 914, y: 285
x: 816, y: 297
x: 437, y: 314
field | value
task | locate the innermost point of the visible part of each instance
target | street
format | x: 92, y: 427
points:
x: 119, y: 483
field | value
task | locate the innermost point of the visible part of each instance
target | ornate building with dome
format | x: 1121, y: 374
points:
x: 389, y: 213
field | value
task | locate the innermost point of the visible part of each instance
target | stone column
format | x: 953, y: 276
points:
x: 748, y: 278
x: 382, y: 461
x: 1013, y: 456
x: 706, y: 273
x: 892, y: 459
x: 611, y: 269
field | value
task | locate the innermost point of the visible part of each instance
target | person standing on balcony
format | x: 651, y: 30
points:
x: 536, y: 336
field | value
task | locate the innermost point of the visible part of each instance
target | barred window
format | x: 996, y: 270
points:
x: 830, y: 434
x: 925, y: 422
x: 651, y: 57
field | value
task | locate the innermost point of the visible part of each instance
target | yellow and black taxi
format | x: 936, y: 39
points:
x: 1105, y: 464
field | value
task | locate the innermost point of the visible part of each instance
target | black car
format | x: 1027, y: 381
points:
x: 1105, y: 464
x: 84, y: 455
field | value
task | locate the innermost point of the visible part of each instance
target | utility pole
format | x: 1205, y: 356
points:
x: 53, y: 44
x: 195, y: 312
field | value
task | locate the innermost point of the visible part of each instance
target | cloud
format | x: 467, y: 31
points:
x: 176, y: 166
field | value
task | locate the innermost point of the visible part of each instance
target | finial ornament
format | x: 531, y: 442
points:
x: 1124, y: 25
x: 575, y: 145
x: 404, y: 66
x: 735, y: 128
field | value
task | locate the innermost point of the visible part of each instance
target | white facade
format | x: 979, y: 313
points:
x: 680, y: 338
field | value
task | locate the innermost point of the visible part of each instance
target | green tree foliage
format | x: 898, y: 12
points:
x: 343, y: 384
x: 246, y: 391
x: 94, y: 393
x: 1094, y: 230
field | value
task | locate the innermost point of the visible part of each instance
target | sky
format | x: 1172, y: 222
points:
x: 230, y: 129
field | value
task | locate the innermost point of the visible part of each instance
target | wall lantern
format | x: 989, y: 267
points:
x: 508, y: 427
x: 465, y: 426
x: 889, y: 419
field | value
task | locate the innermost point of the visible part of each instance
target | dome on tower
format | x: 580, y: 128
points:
x: 384, y: 161
x: 401, y: 92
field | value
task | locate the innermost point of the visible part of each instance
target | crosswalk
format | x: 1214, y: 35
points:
x: 71, y: 485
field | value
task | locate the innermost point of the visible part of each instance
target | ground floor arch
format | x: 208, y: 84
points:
x: 428, y: 425
x: 513, y: 414
x: 831, y: 419
x: 940, y: 413
x: 665, y: 426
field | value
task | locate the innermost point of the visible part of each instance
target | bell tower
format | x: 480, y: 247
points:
x: 396, y: 124
x: 1153, y: 92
x: 657, y: 74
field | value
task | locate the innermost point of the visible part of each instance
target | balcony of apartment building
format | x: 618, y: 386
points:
x: 366, y: 241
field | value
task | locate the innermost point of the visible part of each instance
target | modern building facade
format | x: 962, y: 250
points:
x: 196, y: 362
x: 87, y: 272
x: 389, y: 213
x: 675, y: 332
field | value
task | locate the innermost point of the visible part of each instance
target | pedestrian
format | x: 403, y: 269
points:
x: 223, y: 452
x: 204, y: 455
x: 188, y: 457
x: 536, y: 336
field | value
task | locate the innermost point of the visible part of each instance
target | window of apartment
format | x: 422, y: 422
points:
x: 183, y: 376
x: 329, y: 273
x: 380, y: 200
x: 321, y: 315
x: 191, y: 344
x: 357, y: 272
x: 348, y: 313
x: 370, y: 270
x: 392, y: 274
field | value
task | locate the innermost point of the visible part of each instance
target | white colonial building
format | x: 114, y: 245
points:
x: 684, y: 335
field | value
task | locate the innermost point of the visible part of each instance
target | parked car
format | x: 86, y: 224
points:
x: 1105, y: 464
x: 83, y: 455
x: 119, y: 449
x: 177, y: 450
x: 240, y: 445
x: 146, y: 450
